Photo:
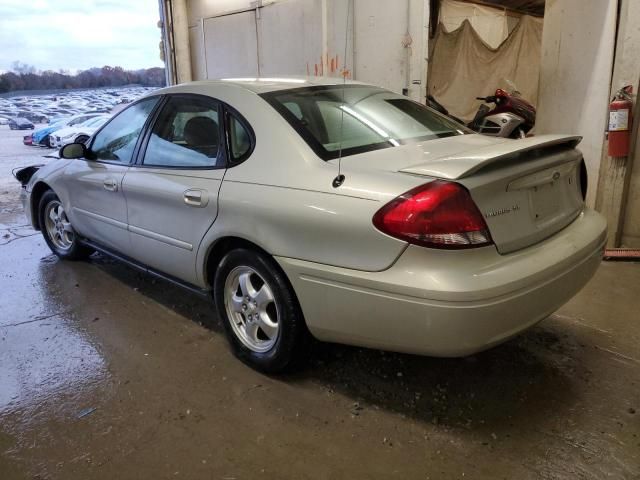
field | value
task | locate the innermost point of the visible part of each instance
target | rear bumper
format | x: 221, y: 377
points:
x: 448, y: 303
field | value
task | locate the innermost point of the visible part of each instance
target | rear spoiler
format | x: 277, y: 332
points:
x: 462, y: 165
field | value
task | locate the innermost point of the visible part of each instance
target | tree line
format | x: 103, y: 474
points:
x: 25, y: 77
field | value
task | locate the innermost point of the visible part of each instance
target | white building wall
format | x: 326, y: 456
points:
x: 196, y: 50
x: 380, y: 34
x: 290, y: 34
x: 231, y: 47
x: 379, y: 57
x: 300, y: 37
x: 210, y: 8
x: 575, y: 72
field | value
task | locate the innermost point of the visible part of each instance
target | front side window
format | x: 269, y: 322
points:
x: 186, y: 135
x: 352, y: 119
x: 116, y: 141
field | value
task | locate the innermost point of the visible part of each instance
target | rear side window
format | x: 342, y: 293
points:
x: 186, y: 135
x: 240, y: 143
x: 357, y: 118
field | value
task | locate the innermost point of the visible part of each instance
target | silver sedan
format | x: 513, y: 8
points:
x: 345, y: 212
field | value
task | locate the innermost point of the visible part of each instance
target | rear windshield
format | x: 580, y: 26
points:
x: 369, y: 118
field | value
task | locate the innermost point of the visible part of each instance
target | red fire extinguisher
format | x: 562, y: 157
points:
x: 620, y: 122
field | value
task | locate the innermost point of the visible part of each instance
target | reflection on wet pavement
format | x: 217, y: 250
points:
x: 59, y: 360
x: 49, y: 367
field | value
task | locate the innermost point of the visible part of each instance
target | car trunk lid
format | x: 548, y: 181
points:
x: 527, y: 190
x: 467, y: 161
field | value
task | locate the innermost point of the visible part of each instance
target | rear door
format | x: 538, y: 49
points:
x: 98, y: 205
x: 172, y: 190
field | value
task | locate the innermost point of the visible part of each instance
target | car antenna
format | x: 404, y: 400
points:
x: 339, y: 180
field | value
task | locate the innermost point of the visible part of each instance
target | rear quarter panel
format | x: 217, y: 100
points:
x: 314, y: 226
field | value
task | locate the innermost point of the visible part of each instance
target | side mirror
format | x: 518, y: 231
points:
x: 73, y: 150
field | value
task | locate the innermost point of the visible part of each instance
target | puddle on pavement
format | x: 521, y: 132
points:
x: 47, y: 362
x: 44, y: 360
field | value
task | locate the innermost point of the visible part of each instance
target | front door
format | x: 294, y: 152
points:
x: 98, y: 204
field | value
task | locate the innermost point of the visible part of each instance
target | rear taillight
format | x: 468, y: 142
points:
x: 439, y: 214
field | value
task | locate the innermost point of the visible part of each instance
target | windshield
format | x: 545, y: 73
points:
x: 370, y: 118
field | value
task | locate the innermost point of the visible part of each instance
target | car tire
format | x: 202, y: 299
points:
x: 57, y: 230
x: 260, y: 312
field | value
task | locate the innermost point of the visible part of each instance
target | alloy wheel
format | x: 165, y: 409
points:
x: 251, y: 308
x: 58, y: 227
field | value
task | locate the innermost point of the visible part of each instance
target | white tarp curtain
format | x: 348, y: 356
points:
x: 463, y: 66
x: 490, y: 23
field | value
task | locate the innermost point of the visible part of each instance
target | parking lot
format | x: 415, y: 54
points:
x: 107, y: 373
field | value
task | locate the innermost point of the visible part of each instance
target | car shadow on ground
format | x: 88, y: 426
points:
x: 183, y: 302
x: 515, y: 385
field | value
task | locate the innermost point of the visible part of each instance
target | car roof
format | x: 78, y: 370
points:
x: 264, y: 84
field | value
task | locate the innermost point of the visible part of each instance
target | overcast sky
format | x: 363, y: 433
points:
x: 79, y: 34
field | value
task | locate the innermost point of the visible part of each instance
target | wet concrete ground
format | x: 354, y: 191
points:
x: 105, y: 373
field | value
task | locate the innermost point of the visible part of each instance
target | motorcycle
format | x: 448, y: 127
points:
x: 511, y: 117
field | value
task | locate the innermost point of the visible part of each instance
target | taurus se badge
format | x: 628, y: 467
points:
x: 502, y: 211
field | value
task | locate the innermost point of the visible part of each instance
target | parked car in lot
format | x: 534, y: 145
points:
x: 27, y: 139
x: 39, y: 108
x: 79, y: 133
x: 42, y: 136
x: 349, y: 213
x: 36, y: 117
x: 20, y: 123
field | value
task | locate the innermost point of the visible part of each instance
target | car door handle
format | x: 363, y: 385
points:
x: 111, y: 185
x: 196, y: 198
